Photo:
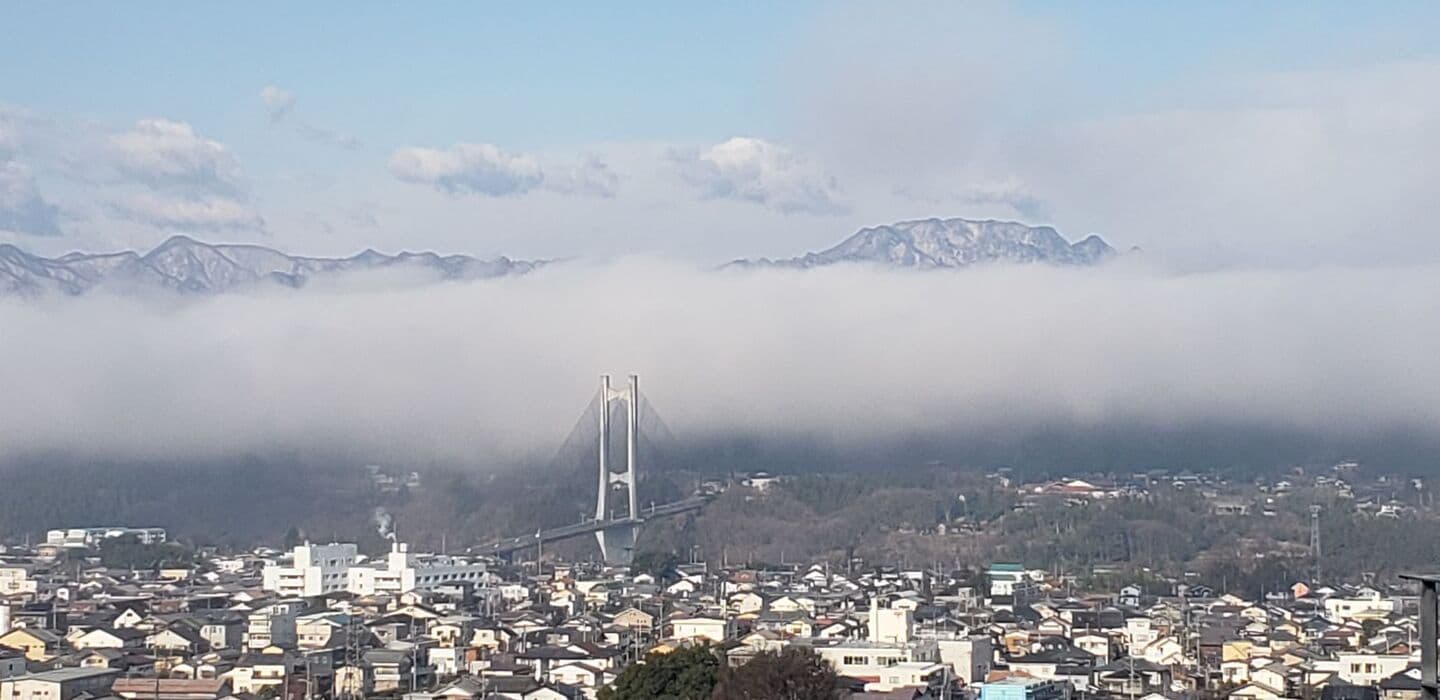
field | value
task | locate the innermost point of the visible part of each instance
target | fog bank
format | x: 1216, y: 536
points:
x: 851, y: 358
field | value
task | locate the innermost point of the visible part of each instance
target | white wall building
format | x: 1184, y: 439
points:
x: 315, y: 569
x: 713, y: 629
x: 970, y: 657
x: 15, y: 580
x: 868, y: 661
x: 890, y: 625
x: 1361, y: 668
x: 404, y: 571
x: 91, y: 537
x: 1367, y: 604
x: 273, y: 624
x: 322, y: 569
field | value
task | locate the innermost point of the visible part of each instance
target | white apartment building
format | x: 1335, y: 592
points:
x: 405, y: 571
x: 869, y: 661
x: 273, y: 624
x: 1366, y: 604
x: 315, y: 569
x: 83, y: 537
x: 322, y: 569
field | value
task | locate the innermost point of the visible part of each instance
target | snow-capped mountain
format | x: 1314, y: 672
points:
x: 941, y: 243
x: 185, y: 265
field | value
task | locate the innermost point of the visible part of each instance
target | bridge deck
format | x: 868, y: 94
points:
x: 565, y: 532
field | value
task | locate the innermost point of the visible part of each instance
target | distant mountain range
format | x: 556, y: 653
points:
x: 950, y: 243
x: 185, y: 265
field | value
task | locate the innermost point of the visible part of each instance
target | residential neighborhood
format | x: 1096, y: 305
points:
x: 326, y: 621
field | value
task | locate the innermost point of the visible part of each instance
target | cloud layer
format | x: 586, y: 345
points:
x: 22, y: 209
x: 468, y: 168
x: 755, y: 170
x: 849, y: 356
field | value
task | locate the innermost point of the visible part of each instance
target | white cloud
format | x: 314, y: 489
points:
x: 478, y: 168
x: 754, y: 170
x: 206, y: 213
x: 22, y: 209
x: 592, y: 177
x: 165, y: 154
x: 278, y: 100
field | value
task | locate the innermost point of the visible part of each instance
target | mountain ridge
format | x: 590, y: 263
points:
x: 185, y: 265
x: 948, y: 243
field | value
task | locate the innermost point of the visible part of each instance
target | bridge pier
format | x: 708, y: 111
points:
x: 617, y: 544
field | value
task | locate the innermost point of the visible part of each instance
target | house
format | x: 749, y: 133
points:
x: 179, y: 638
x: 102, y: 638
x: 1361, y: 668
x: 580, y: 674
x: 260, y: 672
x: 224, y: 630
x: 169, y: 689
x: 695, y: 628
x: 635, y: 619
x: 1256, y: 691
x: 35, y: 643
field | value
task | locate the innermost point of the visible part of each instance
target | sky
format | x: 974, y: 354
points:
x: 1211, y: 135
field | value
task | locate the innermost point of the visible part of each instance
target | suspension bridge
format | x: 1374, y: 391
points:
x: 618, y: 514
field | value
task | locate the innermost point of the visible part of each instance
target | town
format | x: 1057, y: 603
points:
x: 324, y: 620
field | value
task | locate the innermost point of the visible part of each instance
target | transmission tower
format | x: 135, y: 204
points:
x: 1315, y: 540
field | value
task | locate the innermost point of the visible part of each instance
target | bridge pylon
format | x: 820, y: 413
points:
x: 617, y: 544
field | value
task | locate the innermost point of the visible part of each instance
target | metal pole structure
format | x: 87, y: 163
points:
x: 1429, y: 678
x: 601, y: 505
x: 632, y: 427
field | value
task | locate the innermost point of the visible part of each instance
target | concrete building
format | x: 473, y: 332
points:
x: 15, y: 581
x: 274, y: 625
x: 60, y: 684
x: 868, y: 660
x: 315, y: 569
x: 889, y: 625
x: 969, y: 657
x: 91, y: 537
x: 404, y: 571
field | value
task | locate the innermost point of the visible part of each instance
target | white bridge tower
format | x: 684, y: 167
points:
x: 617, y: 544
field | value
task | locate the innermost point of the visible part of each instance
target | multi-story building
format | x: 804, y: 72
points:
x: 315, y: 569
x: 868, y: 660
x: 404, y: 571
x: 273, y: 625
x: 322, y: 569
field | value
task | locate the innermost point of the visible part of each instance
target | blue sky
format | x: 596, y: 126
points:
x: 850, y: 113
